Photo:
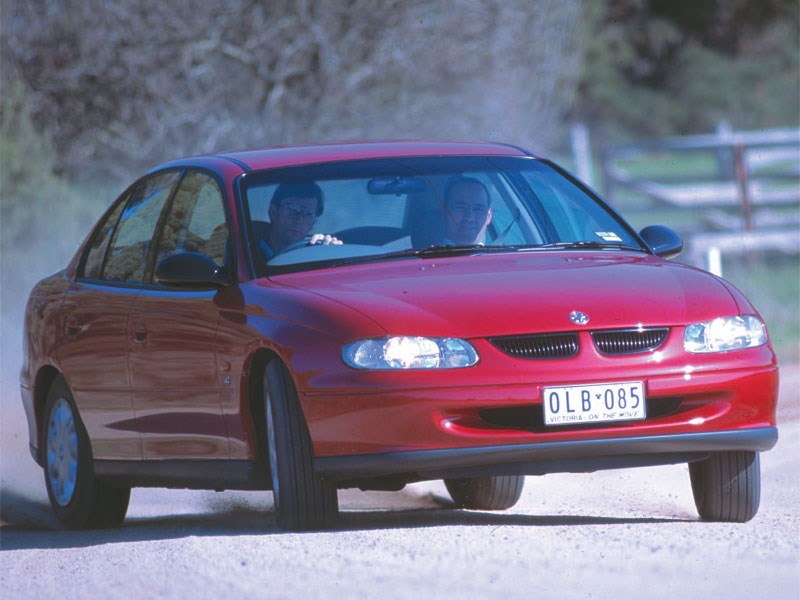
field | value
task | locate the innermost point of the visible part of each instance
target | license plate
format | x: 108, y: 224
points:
x: 594, y: 403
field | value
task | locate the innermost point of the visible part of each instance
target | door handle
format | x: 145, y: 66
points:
x: 139, y: 333
x: 74, y: 327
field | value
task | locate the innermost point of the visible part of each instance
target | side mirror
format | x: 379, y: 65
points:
x: 190, y: 269
x: 662, y: 240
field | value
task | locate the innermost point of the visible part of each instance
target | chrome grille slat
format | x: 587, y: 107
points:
x: 629, y: 341
x: 617, y: 342
x: 539, y: 346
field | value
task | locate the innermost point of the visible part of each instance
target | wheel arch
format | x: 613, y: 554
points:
x: 254, y: 398
x: 44, y: 381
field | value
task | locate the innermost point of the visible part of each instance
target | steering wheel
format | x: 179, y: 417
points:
x: 299, y: 244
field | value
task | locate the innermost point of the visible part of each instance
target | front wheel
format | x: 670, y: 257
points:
x: 486, y: 493
x: 303, y: 500
x: 78, y: 499
x: 727, y: 486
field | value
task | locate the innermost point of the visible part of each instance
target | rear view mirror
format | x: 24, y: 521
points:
x: 395, y: 186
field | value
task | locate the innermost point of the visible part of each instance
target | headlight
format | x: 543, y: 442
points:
x: 725, y: 333
x: 408, y: 352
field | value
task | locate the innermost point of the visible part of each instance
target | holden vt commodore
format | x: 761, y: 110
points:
x: 367, y: 315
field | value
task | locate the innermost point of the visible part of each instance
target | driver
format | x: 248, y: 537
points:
x: 467, y: 211
x: 293, y: 210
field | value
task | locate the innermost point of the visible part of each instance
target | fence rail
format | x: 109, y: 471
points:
x: 749, y: 197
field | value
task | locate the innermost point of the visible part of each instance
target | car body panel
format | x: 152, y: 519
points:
x: 459, y: 416
x: 541, y: 458
x: 43, y: 320
x: 288, y: 156
x: 535, y: 287
x: 178, y: 403
x: 268, y: 317
x: 93, y: 351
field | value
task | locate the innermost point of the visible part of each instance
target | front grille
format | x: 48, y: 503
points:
x: 549, y: 345
x: 629, y: 341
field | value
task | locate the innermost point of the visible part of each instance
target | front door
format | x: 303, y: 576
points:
x: 177, y: 385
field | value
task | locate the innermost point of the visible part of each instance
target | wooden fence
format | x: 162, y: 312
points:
x: 748, y: 200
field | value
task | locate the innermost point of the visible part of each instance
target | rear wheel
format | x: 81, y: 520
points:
x: 727, y: 486
x: 78, y: 499
x: 303, y: 500
x: 486, y: 493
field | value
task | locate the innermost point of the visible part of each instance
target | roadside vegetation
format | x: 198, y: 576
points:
x: 653, y: 68
x: 772, y: 283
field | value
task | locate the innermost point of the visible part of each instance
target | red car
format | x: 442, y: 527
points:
x: 305, y: 319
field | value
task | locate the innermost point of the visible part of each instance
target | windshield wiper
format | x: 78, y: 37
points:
x: 590, y: 245
x: 448, y: 250
x: 435, y: 251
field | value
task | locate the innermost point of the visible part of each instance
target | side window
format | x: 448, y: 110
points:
x: 512, y: 223
x: 127, y: 258
x: 196, y: 220
x: 93, y: 264
x: 504, y: 228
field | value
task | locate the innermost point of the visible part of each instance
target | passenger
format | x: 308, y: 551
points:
x: 293, y: 210
x: 467, y: 211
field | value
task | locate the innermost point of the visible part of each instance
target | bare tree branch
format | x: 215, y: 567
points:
x: 121, y: 86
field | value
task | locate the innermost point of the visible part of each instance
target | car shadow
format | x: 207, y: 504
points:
x: 29, y: 524
x: 422, y: 518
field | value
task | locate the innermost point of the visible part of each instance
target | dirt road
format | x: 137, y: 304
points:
x: 614, y: 534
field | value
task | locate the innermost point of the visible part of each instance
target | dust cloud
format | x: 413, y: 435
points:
x: 26, y: 259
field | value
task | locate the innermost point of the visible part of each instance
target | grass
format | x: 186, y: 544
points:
x: 671, y: 165
x: 772, y: 283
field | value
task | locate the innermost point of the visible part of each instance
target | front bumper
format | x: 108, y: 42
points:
x: 583, y: 456
x: 462, y: 414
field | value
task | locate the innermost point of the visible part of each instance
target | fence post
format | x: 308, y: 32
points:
x: 606, y: 168
x: 714, y: 261
x: 740, y: 167
x: 725, y: 163
x: 581, y: 152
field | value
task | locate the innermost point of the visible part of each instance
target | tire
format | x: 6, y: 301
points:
x: 727, y: 486
x: 303, y: 501
x: 486, y: 493
x: 77, y: 498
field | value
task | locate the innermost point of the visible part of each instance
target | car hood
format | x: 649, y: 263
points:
x: 524, y: 292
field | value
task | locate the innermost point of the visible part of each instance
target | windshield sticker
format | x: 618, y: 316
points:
x: 608, y: 236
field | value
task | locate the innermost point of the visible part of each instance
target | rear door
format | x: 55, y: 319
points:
x: 94, y: 352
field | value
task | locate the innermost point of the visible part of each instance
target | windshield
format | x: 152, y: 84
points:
x: 381, y: 209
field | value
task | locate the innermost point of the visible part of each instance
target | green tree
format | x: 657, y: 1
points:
x: 656, y: 67
x: 42, y: 217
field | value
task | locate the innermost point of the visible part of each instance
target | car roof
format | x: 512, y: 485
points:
x: 283, y: 156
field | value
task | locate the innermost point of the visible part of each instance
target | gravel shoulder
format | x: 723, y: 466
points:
x: 623, y: 534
